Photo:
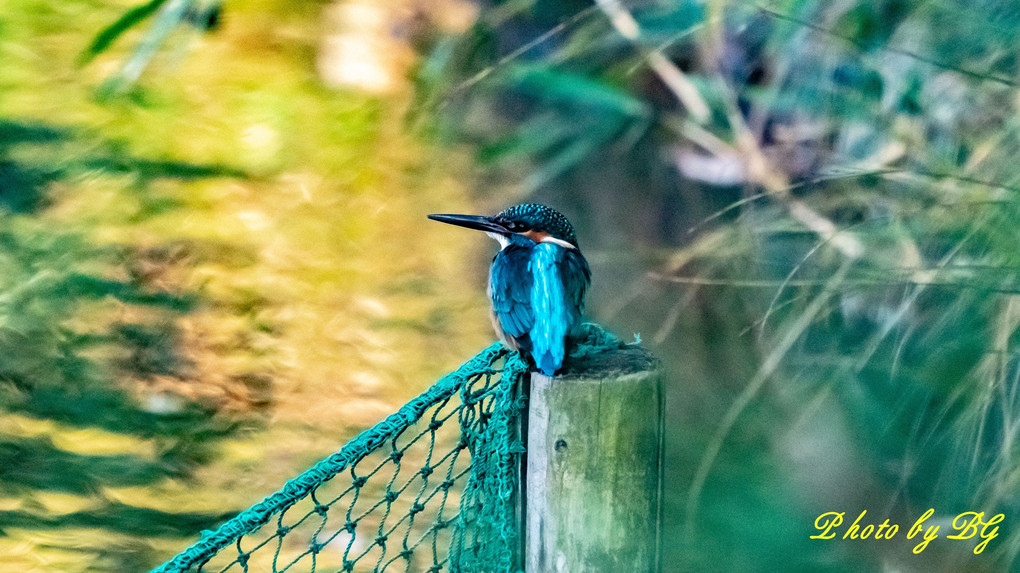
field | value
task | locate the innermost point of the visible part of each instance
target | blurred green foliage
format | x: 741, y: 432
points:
x: 60, y: 355
x: 196, y: 297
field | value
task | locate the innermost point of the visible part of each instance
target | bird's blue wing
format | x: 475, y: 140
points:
x: 561, y: 277
x: 576, y: 277
x: 510, y: 286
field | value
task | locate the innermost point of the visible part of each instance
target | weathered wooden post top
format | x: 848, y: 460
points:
x: 592, y: 478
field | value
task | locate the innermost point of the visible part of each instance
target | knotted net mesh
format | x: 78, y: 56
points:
x: 430, y: 488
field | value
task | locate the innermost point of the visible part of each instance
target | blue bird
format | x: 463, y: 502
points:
x: 537, y: 281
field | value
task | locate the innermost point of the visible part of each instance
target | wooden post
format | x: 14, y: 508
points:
x: 594, y: 467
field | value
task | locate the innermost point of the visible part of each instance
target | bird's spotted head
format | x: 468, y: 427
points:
x: 537, y: 222
x: 532, y: 220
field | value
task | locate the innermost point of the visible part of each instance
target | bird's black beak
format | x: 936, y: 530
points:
x: 477, y: 222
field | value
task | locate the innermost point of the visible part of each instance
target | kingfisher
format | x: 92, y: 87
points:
x: 537, y: 280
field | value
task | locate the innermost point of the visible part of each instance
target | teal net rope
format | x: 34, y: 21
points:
x: 430, y: 488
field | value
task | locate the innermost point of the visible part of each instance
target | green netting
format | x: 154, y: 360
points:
x: 430, y: 488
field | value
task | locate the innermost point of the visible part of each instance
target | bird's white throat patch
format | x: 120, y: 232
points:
x: 555, y: 241
x: 503, y: 241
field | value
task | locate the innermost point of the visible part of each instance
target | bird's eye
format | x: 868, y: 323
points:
x: 512, y: 226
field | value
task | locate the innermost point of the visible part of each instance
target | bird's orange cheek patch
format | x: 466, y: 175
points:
x: 536, y: 236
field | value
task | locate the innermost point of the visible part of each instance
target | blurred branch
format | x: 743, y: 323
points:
x: 668, y: 72
x: 921, y: 279
x: 527, y: 47
x: 759, y: 169
x: 169, y: 16
x: 774, y: 304
x: 110, y: 34
x: 770, y: 284
x: 845, y: 242
x: 752, y: 198
x: 1000, y: 362
x: 765, y: 371
x: 900, y: 51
